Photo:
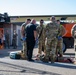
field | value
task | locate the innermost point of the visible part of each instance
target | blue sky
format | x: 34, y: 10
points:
x: 38, y: 7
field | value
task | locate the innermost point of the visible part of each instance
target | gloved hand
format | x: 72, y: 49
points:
x: 24, y: 38
x: 59, y: 37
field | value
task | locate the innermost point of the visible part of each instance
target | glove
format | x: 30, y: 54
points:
x: 59, y: 37
x: 24, y: 38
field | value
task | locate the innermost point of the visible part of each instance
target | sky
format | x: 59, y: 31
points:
x: 38, y: 7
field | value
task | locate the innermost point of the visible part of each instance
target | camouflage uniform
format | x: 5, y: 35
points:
x: 60, y: 42
x: 15, y: 40
x: 73, y: 32
x: 41, y: 39
x: 24, y: 50
x: 51, y: 33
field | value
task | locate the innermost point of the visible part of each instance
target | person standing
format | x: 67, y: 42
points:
x: 23, y: 33
x: 7, y: 44
x: 51, y: 34
x: 31, y: 35
x: 42, y: 37
x: 61, y: 33
x: 73, y: 33
x: 15, y: 39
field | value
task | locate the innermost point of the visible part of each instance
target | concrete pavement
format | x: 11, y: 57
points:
x: 23, y: 67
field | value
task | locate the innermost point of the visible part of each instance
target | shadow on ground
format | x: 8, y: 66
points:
x: 22, y: 69
x: 59, y: 64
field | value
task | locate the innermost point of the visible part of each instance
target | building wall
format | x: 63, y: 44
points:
x: 7, y: 27
x: 19, y: 43
x: 45, y: 18
x: 11, y: 33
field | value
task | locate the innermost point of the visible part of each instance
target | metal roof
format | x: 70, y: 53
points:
x: 70, y: 15
x: 17, y: 23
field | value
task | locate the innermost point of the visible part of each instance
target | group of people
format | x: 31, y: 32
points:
x: 5, y: 39
x: 49, y: 37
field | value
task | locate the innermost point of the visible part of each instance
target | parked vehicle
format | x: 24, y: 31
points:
x: 68, y: 40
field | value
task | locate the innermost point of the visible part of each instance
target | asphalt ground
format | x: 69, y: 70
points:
x: 23, y: 67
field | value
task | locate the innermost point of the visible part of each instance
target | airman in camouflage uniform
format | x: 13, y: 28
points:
x: 61, y: 33
x: 51, y: 34
x: 41, y: 32
x: 24, y: 50
x: 73, y: 32
x: 15, y: 39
